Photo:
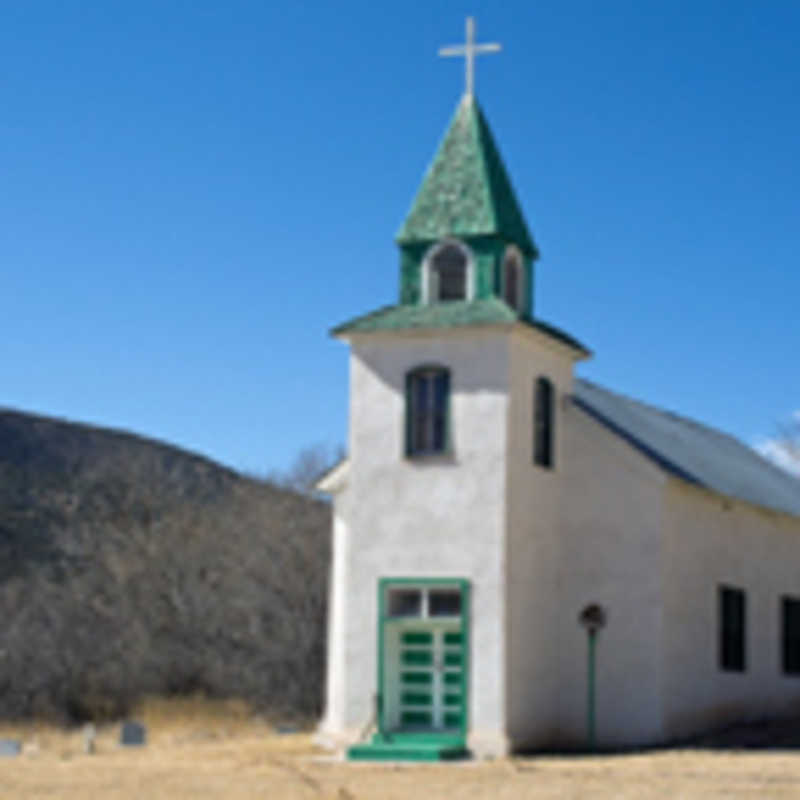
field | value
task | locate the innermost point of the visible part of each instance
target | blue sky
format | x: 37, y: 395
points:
x: 194, y: 193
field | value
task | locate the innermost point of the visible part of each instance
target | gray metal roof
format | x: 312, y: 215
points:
x: 691, y: 451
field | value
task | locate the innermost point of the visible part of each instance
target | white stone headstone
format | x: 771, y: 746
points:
x: 89, y: 735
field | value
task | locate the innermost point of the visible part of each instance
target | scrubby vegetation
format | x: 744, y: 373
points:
x: 131, y: 568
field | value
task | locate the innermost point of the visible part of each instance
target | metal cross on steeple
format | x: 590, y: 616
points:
x: 469, y: 50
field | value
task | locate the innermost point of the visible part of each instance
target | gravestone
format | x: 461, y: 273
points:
x: 133, y: 734
x: 10, y: 747
x: 89, y: 736
x: 284, y: 730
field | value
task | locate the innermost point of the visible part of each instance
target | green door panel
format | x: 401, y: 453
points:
x: 417, y: 657
x: 416, y: 677
x: 416, y: 698
x: 417, y: 718
x: 417, y: 637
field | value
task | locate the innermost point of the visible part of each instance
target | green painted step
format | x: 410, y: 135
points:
x: 405, y: 751
x: 409, y: 747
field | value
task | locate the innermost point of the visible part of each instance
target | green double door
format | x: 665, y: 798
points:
x: 423, y: 656
x: 425, y: 677
x: 430, y: 678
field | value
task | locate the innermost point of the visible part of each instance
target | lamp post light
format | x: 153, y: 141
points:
x: 592, y: 618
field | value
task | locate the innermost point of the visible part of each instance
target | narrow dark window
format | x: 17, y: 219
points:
x: 543, y: 422
x: 791, y: 635
x: 427, y: 401
x: 448, y: 274
x: 511, y: 279
x: 732, y: 623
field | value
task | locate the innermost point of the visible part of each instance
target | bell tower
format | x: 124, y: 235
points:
x: 466, y: 201
x: 445, y: 511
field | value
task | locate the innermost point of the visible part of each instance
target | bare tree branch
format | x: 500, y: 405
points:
x: 308, y: 467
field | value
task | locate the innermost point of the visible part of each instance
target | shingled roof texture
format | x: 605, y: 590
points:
x: 466, y: 190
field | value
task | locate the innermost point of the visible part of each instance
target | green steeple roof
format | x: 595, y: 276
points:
x: 467, y: 191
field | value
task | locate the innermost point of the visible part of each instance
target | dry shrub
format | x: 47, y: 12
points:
x: 155, y: 573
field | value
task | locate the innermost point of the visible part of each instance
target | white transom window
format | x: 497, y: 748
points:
x: 423, y: 602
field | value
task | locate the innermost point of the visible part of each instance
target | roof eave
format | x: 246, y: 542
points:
x: 335, y: 479
x: 653, y: 455
x: 735, y: 500
x: 411, y: 330
x: 575, y: 351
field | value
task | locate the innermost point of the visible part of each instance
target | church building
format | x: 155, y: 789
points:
x: 523, y: 559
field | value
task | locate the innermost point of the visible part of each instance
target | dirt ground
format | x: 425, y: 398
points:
x: 194, y: 751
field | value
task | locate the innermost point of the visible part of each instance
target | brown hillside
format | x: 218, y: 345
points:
x: 128, y: 567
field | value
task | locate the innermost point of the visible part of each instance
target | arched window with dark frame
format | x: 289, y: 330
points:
x: 512, y: 278
x: 427, y: 411
x: 543, y: 423
x: 447, y: 267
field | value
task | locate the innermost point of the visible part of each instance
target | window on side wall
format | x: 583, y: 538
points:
x: 790, y: 623
x: 427, y: 411
x: 513, y: 278
x: 732, y: 629
x: 543, y: 423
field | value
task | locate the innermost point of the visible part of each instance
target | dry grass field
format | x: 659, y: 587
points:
x: 206, y: 750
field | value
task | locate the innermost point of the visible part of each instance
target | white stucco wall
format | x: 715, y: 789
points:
x: 434, y: 517
x: 711, y: 541
x: 532, y: 539
x: 611, y: 553
x: 336, y: 670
